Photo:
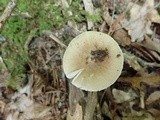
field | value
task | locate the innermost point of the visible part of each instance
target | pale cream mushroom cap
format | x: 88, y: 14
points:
x: 93, y: 60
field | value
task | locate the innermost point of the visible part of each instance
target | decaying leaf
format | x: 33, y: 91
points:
x: 154, y: 16
x: 122, y: 37
x: 105, y: 110
x: 135, y: 81
x: 137, y: 23
x: 77, y: 115
x: 153, y: 97
x: 155, y: 113
x: 153, y: 45
x: 23, y: 106
x: 131, y: 60
x: 13, y: 116
x: 121, y: 96
x: 20, y: 103
x: 146, y: 116
x: 136, y: 115
x: 2, y: 106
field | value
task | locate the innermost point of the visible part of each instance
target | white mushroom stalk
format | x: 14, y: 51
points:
x: 93, y: 60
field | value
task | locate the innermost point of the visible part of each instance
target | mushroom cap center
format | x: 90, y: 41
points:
x: 99, y: 55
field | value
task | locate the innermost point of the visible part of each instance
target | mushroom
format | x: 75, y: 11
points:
x: 93, y: 60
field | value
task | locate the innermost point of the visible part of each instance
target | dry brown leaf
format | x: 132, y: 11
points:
x: 25, y: 108
x: 155, y: 113
x: 133, y: 114
x: 122, y: 96
x: 77, y: 115
x: 146, y: 116
x: 122, y: 37
x: 153, y: 97
x: 154, y: 16
x: 137, y: 25
x: 148, y: 43
x: 135, y: 81
x: 131, y: 60
x: 13, y: 116
x: 2, y: 106
x: 144, y: 53
x: 106, y: 110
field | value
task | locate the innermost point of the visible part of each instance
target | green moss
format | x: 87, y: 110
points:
x: 17, y: 29
x: 94, y: 18
x: 15, y: 60
x: 45, y: 14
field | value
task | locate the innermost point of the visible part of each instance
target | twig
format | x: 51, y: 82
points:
x: 137, y: 60
x: 139, y: 17
x: 3, y: 64
x: 32, y: 33
x: 88, y: 5
x: 7, y: 13
x: 144, y: 63
x: 113, y: 12
x: 51, y: 35
x: 57, y: 40
x: 52, y: 56
x: 23, y: 14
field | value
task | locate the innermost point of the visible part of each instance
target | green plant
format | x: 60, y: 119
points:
x: 44, y: 15
x: 15, y: 60
x: 16, y: 30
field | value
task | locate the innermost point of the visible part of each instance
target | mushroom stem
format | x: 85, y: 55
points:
x: 91, y: 103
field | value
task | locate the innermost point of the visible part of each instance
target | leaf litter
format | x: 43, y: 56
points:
x: 133, y: 24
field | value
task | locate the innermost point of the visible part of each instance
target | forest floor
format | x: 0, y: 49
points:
x: 34, y: 35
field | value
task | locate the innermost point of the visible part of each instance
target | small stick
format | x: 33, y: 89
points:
x: 7, y: 13
x: 29, y: 39
x: 57, y: 40
x: 51, y: 35
x: 114, y: 4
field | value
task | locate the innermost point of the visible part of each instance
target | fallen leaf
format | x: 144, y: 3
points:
x: 148, y: 43
x: 77, y: 115
x: 135, y: 81
x: 155, y: 113
x: 154, y: 16
x: 131, y: 60
x: 146, y: 116
x: 134, y: 114
x: 138, y: 24
x: 106, y: 110
x: 153, y: 97
x: 121, y: 96
x: 122, y: 37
